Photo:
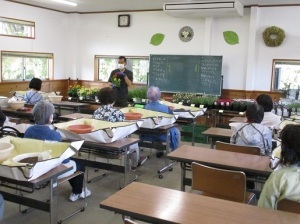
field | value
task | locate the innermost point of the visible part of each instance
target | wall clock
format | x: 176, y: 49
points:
x: 124, y: 20
x: 186, y: 34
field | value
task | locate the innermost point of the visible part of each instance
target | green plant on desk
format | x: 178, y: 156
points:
x: 293, y: 105
x: 82, y: 92
x: 138, y: 93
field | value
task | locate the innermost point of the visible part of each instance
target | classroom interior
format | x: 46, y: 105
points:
x: 76, y: 38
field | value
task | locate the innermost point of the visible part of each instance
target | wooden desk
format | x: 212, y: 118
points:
x: 116, y: 148
x: 250, y: 164
x: 50, y: 206
x: 217, y: 133
x: 158, y: 145
x: 159, y: 205
x: 238, y: 119
x: 75, y: 107
x: 75, y: 116
x: 25, y: 116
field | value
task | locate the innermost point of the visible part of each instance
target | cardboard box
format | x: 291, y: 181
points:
x: 103, y: 131
x: 59, y: 151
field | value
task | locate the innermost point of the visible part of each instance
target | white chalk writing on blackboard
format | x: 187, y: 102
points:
x: 186, y: 73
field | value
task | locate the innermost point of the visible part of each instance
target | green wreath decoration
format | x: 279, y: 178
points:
x: 273, y: 30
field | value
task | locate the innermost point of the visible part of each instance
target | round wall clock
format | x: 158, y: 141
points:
x: 186, y: 33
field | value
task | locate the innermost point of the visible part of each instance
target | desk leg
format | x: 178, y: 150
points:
x: 183, y: 175
x: 215, y: 117
x: 126, y: 167
x: 193, y: 132
x: 59, y: 110
x: 168, y: 164
x: 53, y: 201
x: 212, y: 142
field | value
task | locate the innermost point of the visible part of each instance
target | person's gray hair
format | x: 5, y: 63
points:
x: 153, y: 93
x: 42, y: 112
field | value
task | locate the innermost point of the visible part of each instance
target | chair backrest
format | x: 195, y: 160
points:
x: 288, y: 206
x: 253, y: 150
x: 128, y: 221
x: 219, y: 183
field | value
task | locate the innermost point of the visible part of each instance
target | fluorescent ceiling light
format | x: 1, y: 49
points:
x: 65, y: 2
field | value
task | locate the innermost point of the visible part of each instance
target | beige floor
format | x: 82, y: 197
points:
x: 101, y: 189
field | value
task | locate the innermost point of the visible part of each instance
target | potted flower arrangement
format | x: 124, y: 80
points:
x: 116, y: 81
x: 82, y: 93
x: 72, y: 91
x: 93, y: 91
x: 185, y: 98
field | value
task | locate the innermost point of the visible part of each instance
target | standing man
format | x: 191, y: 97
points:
x: 119, y: 80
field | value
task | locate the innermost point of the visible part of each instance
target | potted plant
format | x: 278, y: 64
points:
x: 90, y: 93
x: 82, y: 93
x: 293, y: 108
x: 210, y: 101
x: 72, y: 91
x: 137, y: 94
x: 197, y: 101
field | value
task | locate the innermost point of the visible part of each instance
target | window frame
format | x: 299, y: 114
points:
x: 274, y: 82
x: 115, y: 57
x: 19, y: 22
x: 25, y: 55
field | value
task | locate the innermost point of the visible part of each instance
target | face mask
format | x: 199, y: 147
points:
x: 121, y: 66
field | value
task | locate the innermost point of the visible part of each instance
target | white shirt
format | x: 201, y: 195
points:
x: 271, y: 120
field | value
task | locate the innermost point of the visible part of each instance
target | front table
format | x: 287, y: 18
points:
x: 159, y: 205
x: 250, y: 164
x: 50, y: 206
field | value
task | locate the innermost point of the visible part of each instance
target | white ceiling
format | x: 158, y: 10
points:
x: 86, y: 6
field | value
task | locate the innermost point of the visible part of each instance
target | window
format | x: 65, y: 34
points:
x: 16, y: 28
x: 286, y: 77
x: 138, y: 65
x: 18, y: 66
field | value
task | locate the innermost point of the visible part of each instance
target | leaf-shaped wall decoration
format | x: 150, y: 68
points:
x: 157, y: 39
x: 231, y: 37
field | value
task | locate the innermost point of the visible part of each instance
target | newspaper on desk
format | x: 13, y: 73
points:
x: 56, y: 151
x: 152, y: 119
x: 185, y: 111
x: 103, y: 131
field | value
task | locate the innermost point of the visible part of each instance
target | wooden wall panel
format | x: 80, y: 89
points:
x: 246, y: 94
x: 47, y: 86
x: 62, y: 86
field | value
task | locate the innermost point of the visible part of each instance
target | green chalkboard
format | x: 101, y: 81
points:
x: 186, y: 73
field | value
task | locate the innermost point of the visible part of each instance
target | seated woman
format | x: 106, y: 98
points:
x: 43, y: 117
x: 107, y: 97
x: 253, y: 133
x: 284, y: 182
x: 153, y: 95
x: 33, y: 96
x: 270, y: 120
